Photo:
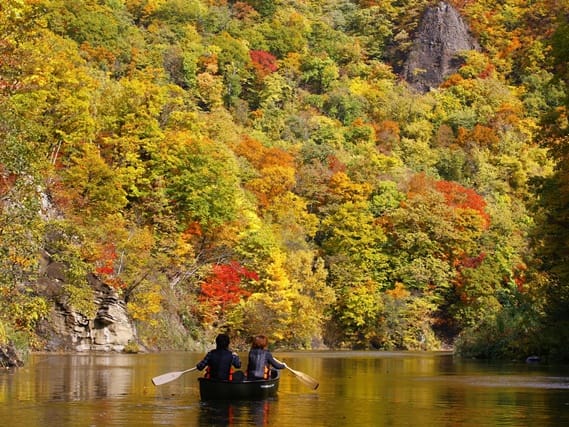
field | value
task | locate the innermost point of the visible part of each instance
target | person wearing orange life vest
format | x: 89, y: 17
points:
x: 260, y: 360
x: 220, y: 360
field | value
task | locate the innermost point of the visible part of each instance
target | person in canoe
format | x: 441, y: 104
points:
x: 260, y: 360
x: 219, y: 361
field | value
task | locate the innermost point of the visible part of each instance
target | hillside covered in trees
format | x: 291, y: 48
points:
x: 265, y: 166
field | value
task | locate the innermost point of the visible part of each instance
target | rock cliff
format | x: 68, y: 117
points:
x: 441, y: 36
x: 68, y: 330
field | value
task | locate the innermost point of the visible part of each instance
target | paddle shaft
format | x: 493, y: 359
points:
x: 170, y: 376
x: 305, y: 378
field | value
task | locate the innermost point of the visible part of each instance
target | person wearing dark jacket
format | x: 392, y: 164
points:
x: 220, y: 360
x: 261, y: 360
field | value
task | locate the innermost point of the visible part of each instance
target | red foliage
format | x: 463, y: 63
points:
x: 7, y: 180
x: 520, y: 278
x: 263, y: 62
x: 106, y: 262
x: 335, y: 165
x: 193, y: 229
x: 223, y: 288
x: 106, y: 267
x: 487, y: 72
x: 243, y: 11
x: 460, y: 197
x: 473, y: 262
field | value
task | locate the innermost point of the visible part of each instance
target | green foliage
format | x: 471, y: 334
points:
x: 24, y: 309
x: 202, y: 184
x: 19, y: 339
x: 103, y: 31
x: 373, y: 27
x: 318, y: 73
x: 511, y: 333
x: 406, y: 322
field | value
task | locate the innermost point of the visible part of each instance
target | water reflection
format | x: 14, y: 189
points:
x: 80, y: 377
x: 356, y: 389
x: 222, y: 413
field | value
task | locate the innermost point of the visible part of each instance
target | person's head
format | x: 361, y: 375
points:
x: 222, y: 341
x: 260, y: 341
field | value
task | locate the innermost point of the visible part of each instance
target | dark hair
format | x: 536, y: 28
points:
x: 222, y: 341
x: 260, y: 341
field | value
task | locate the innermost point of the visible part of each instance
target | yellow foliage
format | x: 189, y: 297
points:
x: 348, y: 191
x: 3, y: 333
x: 145, y: 304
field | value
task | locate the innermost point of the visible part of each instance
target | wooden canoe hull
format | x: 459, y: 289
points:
x: 212, y: 389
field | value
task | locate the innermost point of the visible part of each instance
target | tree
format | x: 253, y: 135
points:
x: 434, y: 231
x: 318, y: 73
x: 224, y: 289
x: 200, y: 185
x: 274, y: 170
x: 553, y: 235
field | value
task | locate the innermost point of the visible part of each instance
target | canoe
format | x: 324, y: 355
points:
x: 214, y: 389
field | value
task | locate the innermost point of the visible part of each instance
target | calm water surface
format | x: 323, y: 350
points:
x: 356, y: 389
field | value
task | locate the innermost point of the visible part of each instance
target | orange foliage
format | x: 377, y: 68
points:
x: 193, y: 229
x: 511, y: 47
x: 462, y: 136
x: 520, y: 278
x: 387, y: 133
x: 251, y: 149
x: 484, y: 136
x: 460, y: 197
x: 453, y: 80
x: 418, y: 184
x: 209, y: 63
x: 399, y: 292
x: 445, y: 136
x: 508, y: 115
x: 479, y: 136
x: 98, y: 54
x: 7, y: 180
x: 275, y: 166
x: 487, y: 72
x: 261, y: 156
x: 471, y: 262
x: 243, y: 11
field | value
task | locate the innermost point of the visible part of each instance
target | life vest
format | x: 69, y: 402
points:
x: 208, y: 374
x: 266, y: 373
x: 221, y: 361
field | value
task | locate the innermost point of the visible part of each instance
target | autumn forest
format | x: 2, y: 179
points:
x: 265, y: 167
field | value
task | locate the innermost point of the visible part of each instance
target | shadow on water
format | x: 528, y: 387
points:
x: 225, y: 413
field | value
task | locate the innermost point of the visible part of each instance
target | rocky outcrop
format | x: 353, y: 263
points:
x: 9, y: 357
x: 442, y: 35
x: 68, y: 330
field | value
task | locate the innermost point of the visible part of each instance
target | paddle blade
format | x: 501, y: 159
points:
x: 305, y: 378
x: 170, y: 376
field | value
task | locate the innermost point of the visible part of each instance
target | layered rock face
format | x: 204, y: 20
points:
x: 442, y: 35
x: 68, y: 330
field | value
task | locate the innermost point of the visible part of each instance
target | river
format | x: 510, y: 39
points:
x: 356, y: 389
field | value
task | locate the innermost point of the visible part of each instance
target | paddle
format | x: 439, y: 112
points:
x: 304, y: 378
x: 170, y: 376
